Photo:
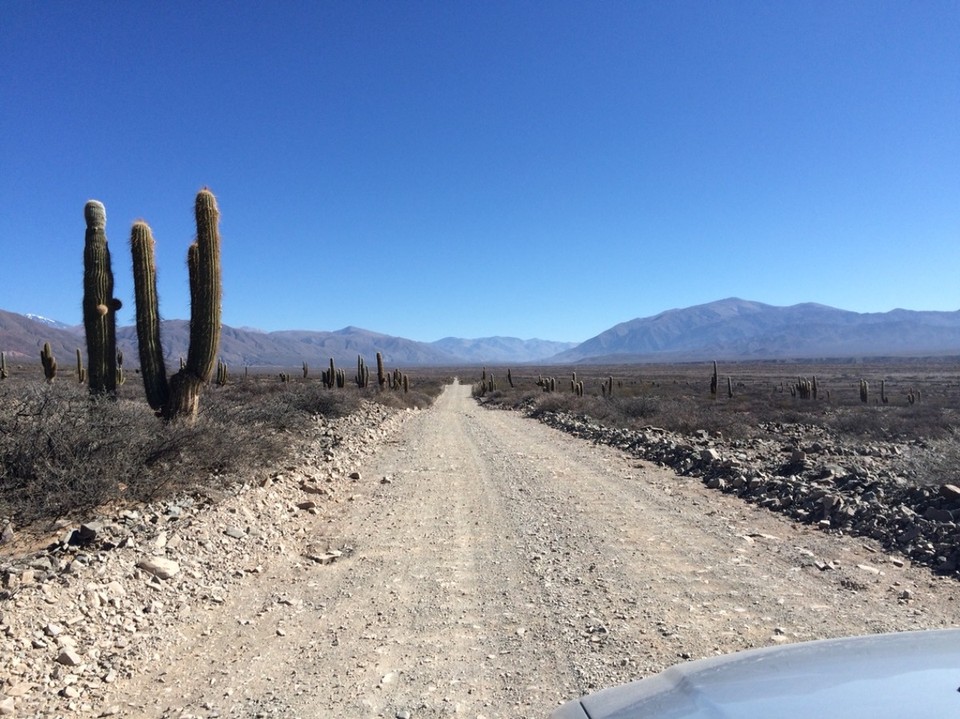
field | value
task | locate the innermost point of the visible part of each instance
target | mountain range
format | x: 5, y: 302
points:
x: 22, y: 337
x: 730, y: 329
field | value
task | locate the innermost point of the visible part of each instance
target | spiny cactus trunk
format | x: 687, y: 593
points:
x: 381, y: 376
x: 152, y: 367
x: 99, y: 305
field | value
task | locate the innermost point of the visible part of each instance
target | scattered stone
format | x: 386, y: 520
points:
x: 69, y: 658
x: 324, y: 557
x: 7, y: 534
x: 355, y: 475
x: 234, y: 532
x: 7, y: 706
x: 87, y: 533
x: 160, y: 567
x: 950, y: 492
x: 312, y: 488
x: 52, y: 630
x: 938, y: 515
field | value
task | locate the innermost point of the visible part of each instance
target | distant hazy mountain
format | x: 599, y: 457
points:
x: 290, y: 348
x: 501, y: 350
x: 735, y: 329
x: 730, y: 329
x: 22, y: 338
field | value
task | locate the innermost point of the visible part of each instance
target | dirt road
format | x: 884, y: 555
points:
x: 493, y: 567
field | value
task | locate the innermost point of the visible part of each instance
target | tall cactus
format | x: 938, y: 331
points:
x: 152, y: 367
x: 180, y: 396
x: 381, y: 377
x: 99, y: 305
x: 3, y: 366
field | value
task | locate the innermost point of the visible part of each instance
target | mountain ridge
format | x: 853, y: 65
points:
x: 736, y: 329
x: 731, y: 329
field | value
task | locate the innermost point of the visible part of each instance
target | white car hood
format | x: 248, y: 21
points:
x: 910, y: 674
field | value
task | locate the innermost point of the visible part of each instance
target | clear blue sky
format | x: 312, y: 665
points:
x: 534, y: 169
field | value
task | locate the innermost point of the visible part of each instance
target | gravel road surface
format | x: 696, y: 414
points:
x: 493, y: 567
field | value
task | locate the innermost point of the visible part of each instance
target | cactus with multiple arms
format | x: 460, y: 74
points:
x: 180, y: 396
x: 363, y: 373
x: 49, y: 362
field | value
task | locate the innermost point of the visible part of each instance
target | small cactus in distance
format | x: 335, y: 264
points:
x: 81, y: 372
x: 864, y: 391
x: 381, y: 376
x: 363, y: 373
x: 3, y: 366
x: 714, y: 380
x: 49, y: 362
x: 222, y: 375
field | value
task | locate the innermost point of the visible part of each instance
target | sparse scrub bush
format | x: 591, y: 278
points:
x: 63, y: 452
x: 936, y: 462
x: 677, y: 398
